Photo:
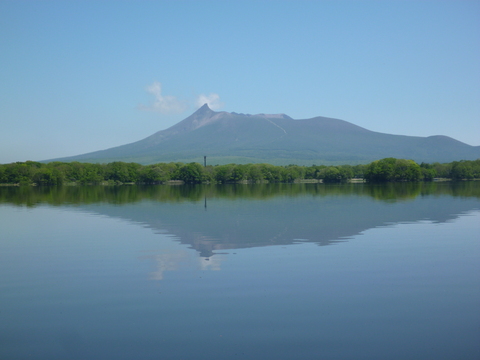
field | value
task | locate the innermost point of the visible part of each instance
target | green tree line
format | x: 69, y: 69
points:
x: 385, y: 170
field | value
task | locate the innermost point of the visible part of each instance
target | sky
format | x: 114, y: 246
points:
x: 81, y: 76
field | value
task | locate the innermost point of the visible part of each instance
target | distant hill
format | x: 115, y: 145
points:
x: 277, y: 139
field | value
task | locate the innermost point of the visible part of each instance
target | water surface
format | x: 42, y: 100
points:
x: 241, y: 271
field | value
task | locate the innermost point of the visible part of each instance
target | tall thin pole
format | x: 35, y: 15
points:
x: 204, y: 161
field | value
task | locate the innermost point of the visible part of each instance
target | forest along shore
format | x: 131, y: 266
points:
x: 115, y: 173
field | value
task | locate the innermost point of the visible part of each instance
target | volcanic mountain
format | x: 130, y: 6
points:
x: 277, y: 139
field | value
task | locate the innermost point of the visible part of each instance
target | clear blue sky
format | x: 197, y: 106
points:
x: 80, y: 76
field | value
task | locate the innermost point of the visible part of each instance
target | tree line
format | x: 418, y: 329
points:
x: 385, y: 170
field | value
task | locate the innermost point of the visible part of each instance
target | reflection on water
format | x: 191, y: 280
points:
x: 390, y: 192
x: 224, y: 217
x: 240, y: 271
x: 174, y: 260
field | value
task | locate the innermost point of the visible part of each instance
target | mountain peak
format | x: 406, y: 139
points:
x: 199, y: 118
x: 204, y: 108
x: 277, y: 138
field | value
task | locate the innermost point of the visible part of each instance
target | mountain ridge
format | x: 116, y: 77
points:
x: 277, y: 139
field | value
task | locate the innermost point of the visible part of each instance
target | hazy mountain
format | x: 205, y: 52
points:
x: 278, y: 139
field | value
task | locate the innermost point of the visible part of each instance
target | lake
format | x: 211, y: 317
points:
x: 268, y: 271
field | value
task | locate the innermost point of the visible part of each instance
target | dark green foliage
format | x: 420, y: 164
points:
x: 359, y: 171
x: 388, y: 169
x: 293, y: 172
x: 465, y: 170
x: 48, y: 176
x: 335, y: 174
x: 428, y: 172
x: 391, y: 169
x: 122, y: 172
x: 157, y: 173
x: 223, y: 173
x: 190, y: 173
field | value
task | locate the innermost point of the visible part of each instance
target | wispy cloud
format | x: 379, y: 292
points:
x: 213, y: 101
x: 166, y: 104
x: 163, y: 104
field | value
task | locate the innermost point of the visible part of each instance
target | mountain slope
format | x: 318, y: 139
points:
x: 230, y: 137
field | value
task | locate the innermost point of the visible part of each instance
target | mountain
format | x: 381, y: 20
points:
x: 277, y: 139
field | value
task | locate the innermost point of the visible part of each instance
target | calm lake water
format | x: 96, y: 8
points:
x: 301, y: 271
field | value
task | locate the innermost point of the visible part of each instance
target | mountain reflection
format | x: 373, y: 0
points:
x: 217, y: 218
x: 174, y: 260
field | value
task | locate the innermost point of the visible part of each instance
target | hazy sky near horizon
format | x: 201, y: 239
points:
x: 81, y: 76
